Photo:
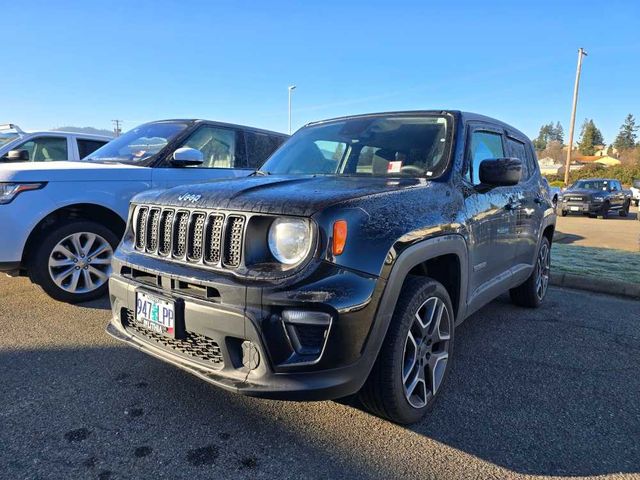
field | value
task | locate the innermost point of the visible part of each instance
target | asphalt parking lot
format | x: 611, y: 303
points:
x: 550, y: 392
x: 622, y: 233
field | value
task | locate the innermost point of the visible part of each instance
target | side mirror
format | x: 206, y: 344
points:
x: 500, y: 172
x: 185, y: 156
x: 18, y: 156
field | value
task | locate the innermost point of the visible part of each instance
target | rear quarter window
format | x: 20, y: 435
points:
x: 260, y: 146
x: 87, y: 147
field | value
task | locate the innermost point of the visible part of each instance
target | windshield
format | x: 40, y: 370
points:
x: 414, y: 146
x: 592, y: 185
x: 6, y: 137
x: 636, y: 183
x: 138, y: 144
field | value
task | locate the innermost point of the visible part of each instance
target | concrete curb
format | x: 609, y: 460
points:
x: 593, y: 284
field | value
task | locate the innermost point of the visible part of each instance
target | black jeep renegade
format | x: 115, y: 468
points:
x: 343, y: 266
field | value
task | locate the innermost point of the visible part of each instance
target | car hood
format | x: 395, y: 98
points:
x: 71, y: 172
x: 279, y: 195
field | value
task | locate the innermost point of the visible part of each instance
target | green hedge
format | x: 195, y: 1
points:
x: 624, y: 173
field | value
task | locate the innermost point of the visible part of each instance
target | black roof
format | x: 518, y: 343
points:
x: 464, y: 116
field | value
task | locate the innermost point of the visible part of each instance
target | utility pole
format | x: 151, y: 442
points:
x: 581, y: 53
x: 291, y: 89
x: 117, y: 129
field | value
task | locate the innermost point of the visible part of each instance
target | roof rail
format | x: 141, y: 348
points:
x: 10, y: 126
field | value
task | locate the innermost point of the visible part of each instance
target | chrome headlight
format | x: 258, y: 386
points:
x: 290, y: 239
x: 9, y: 191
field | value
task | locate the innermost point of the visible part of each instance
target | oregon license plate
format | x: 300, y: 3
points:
x: 156, y: 314
x: 575, y: 209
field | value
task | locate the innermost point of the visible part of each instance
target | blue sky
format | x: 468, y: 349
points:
x: 85, y: 63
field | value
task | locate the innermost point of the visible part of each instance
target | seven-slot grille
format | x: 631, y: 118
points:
x: 194, y: 236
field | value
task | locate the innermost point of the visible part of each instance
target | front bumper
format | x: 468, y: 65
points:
x: 239, y: 313
x: 581, y: 207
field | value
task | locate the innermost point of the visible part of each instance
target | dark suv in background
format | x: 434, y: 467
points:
x: 344, y: 265
x: 596, y: 197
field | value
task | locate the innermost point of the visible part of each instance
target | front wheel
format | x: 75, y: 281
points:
x: 564, y: 213
x: 414, y: 358
x: 532, y: 292
x: 604, y: 210
x: 624, y: 212
x: 73, y: 262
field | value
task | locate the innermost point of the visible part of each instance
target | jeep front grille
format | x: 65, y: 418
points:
x: 212, y: 239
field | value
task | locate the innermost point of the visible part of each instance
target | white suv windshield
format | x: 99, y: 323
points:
x: 139, y: 144
x: 379, y: 145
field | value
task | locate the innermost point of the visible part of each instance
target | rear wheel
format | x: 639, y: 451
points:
x: 532, y: 292
x: 414, y: 359
x: 73, y: 262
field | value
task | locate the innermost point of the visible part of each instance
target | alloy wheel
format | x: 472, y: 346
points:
x: 81, y: 262
x: 426, y: 352
x: 543, y: 267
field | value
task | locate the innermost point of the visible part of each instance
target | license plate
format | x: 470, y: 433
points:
x: 156, y: 314
x: 575, y: 209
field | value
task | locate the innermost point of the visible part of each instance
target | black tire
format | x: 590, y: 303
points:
x: 604, y: 210
x: 564, y: 213
x: 624, y: 212
x: 384, y: 391
x: 38, y: 265
x: 528, y: 294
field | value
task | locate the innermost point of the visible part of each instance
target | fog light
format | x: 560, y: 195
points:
x: 307, y: 331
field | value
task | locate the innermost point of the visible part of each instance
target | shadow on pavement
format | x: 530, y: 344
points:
x: 566, y: 238
x: 548, y: 392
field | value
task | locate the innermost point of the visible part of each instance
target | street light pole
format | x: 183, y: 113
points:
x: 291, y: 89
x: 581, y: 53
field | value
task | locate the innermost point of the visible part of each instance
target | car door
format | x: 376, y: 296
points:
x: 619, y: 194
x: 223, y: 151
x: 530, y: 203
x: 490, y: 216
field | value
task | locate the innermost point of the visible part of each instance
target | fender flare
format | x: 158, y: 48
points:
x: 409, y: 258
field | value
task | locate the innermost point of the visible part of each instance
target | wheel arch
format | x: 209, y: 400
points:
x: 77, y: 211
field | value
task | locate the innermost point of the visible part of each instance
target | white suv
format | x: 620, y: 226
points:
x: 635, y: 193
x: 16, y: 145
x: 61, y: 221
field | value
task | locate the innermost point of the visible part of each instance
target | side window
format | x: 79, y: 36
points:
x: 46, y: 149
x: 260, y: 146
x: 484, y: 145
x: 517, y: 150
x: 218, y: 146
x: 87, y: 147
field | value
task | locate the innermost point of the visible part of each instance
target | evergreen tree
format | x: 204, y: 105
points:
x: 558, y: 133
x: 549, y: 133
x: 627, y: 137
x: 590, y: 136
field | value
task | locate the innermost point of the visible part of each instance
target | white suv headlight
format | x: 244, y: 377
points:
x: 9, y: 191
x: 290, y: 239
